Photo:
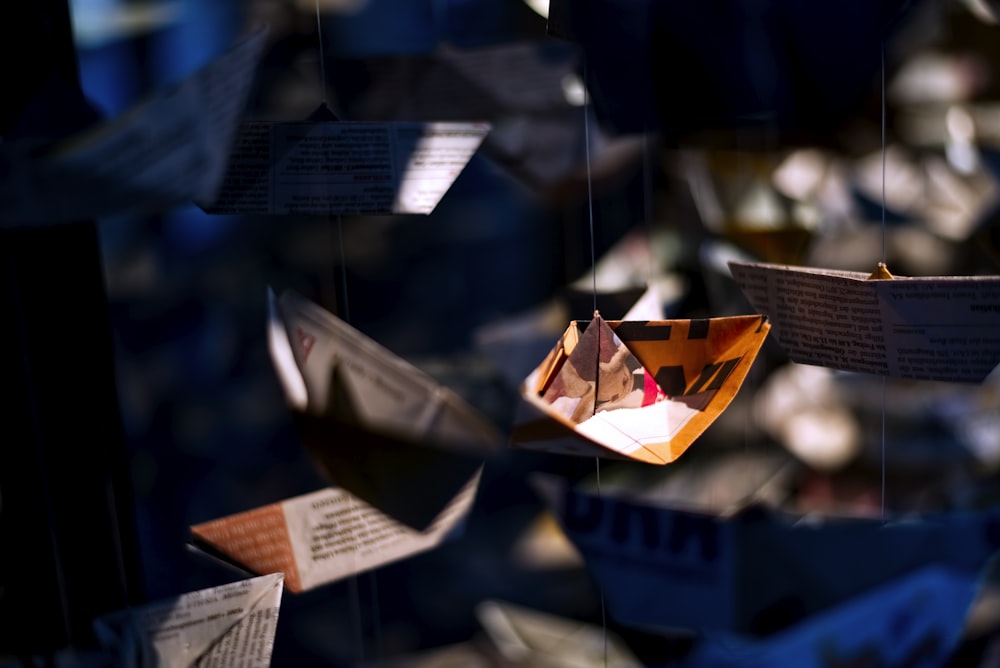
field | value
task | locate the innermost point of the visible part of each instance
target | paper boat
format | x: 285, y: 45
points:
x: 229, y: 625
x: 755, y: 572
x: 518, y: 86
x: 330, y: 167
x: 638, y: 390
x: 168, y: 150
x: 916, y: 619
x: 935, y: 328
x: 325, y: 536
x: 376, y: 425
x: 528, y: 637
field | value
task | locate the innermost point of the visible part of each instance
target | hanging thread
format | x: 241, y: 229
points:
x: 604, y: 618
x: 882, y: 510
x: 343, y: 269
x: 590, y: 192
x: 322, y: 58
x: 376, y: 615
x: 883, y: 153
x: 593, y: 265
x: 359, y: 631
x: 647, y: 204
x: 345, y: 313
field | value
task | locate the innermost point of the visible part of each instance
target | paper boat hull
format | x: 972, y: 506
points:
x: 944, y: 328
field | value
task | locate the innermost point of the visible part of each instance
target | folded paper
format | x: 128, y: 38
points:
x: 744, y: 206
x: 229, y: 626
x: 318, y: 538
x: 755, y: 572
x: 529, y: 90
x: 169, y: 150
x: 527, y: 637
x: 340, y: 167
x: 916, y: 619
x: 928, y: 328
x: 639, y: 390
x: 950, y: 201
x: 377, y: 425
x: 515, y: 344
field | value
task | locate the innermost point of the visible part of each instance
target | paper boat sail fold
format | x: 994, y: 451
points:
x: 639, y: 390
x: 375, y: 424
x: 943, y: 328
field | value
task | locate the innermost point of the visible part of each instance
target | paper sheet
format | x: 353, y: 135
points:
x: 325, y: 536
x: 168, y: 150
x: 229, y: 626
x: 660, y: 384
x: 935, y: 328
x: 339, y: 167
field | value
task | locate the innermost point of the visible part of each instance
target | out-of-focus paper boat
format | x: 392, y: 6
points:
x: 330, y: 167
x: 757, y: 571
x: 736, y: 200
x: 916, y: 619
x: 376, y: 425
x: 473, y: 652
x: 629, y: 281
x: 170, y: 149
x: 639, y: 390
x: 527, y: 637
x: 318, y: 538
x: 228, y: 625
x: 526, y: 89
x: 929, y: 328
x: 940, y: 177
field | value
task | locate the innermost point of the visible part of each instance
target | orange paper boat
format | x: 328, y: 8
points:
x: 638, y: 390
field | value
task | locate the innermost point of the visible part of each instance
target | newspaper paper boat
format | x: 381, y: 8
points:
x: 757, y: 571
x: 637, y: 390
x: 915, y: 619
x: 943, y: 328
x: 229, y: 625
x: 376, y: 425
x: 324, y: 536
x: 323, y: 166
x: 169, y: 149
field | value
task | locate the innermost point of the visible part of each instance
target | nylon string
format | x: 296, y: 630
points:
x: 593, y: 265
x: 882, y: 510
x: 353, y: 593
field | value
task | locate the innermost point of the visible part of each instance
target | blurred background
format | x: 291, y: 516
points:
x: 661, y: 139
